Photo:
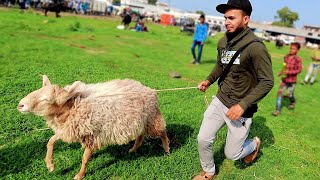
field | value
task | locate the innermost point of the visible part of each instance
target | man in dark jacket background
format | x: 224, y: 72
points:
x: 249, y: 79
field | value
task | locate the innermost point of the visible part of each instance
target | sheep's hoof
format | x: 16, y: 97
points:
x: 50, y: 168
x: 167, y: 153
x: 78, y: 177
x: 132, y: 150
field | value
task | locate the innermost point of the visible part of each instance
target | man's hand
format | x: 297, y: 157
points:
x: 202, y: 43
x: 204, y: 85
x: 235, y: 112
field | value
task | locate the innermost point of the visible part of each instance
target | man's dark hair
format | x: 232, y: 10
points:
x: 202, y: 16
x: 296, y: 44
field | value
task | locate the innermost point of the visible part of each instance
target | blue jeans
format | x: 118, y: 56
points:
x: 193, y: 49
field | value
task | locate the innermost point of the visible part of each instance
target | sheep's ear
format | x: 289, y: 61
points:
x: 68, y: 94
x: 45, y: 81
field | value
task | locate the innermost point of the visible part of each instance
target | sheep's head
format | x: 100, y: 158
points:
x: 44, y: 100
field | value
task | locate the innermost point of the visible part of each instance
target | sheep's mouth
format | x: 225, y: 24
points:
x: 24, y: 111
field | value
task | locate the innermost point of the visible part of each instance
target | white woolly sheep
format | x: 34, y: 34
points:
x: 95, y: 115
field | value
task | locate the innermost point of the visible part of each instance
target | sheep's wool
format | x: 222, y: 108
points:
x: 113, y: 112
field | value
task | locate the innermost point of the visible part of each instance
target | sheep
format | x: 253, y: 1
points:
x: 96, y: 115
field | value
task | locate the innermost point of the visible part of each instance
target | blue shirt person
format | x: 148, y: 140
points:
x: 200, y: 37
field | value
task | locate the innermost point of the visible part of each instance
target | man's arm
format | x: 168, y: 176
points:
x: 205, y: 34
x: 261, y: 61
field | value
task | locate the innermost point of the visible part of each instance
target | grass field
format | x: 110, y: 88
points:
x: 93, y: 50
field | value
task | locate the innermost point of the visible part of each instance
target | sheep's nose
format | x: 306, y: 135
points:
x: 21, y: 106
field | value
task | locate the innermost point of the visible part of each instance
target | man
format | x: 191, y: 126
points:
x: 126, y: 18
x: 249, y: 79
x: 313, y: 69
x: 199, y: 38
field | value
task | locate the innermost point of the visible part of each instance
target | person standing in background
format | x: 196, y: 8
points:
x: 200, y: 37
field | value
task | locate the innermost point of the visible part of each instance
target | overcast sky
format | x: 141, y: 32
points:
x: 263, y: 10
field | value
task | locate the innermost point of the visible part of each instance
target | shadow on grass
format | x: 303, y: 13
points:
x: 258, y: 128
x: 15, y: 159
x: 209, y: 61
x: 151, y: 147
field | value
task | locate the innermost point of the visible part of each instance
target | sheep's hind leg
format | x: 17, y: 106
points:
x: 137, y: 144
x: 49, y: 156
x: 85, y: 158
x: 165, y: 142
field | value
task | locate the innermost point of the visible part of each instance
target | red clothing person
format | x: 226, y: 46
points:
x: 292, y: 69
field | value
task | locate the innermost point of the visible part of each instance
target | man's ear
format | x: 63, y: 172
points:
x: 45, y: 81
x: 246, y: 20
x: 68, y: 94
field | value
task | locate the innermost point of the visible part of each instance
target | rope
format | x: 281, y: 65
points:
x: 175, y: 89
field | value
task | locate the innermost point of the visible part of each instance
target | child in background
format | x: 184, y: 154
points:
x: 292, y: 67
x: 313, y: 69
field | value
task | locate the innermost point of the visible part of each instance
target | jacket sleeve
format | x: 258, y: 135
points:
x: 297, y: 69
x: 216, y: 71
x: 261, y: 62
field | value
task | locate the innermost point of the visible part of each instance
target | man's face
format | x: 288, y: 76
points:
x: 235, y: 20
x: 201, y: 20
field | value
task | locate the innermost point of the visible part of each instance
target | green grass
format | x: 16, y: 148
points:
x: 93, y: 50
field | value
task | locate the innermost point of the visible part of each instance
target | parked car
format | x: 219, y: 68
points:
x: 184, y: 21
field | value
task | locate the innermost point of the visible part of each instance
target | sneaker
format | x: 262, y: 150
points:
x: 276, y: 113
x: 203, y: 176
x: 193, y: 62
x: 304, y: 83
x: 251, y: 157
x: 291, y: 106
x: 197, y: 63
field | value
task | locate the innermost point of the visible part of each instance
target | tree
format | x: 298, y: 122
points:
x: 152, y: 2
x: 200, y: 12
x: 117, y: 2
x: 286, y: 17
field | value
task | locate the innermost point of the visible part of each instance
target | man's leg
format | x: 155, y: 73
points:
x: 314, y: 73
x: 211, y: 124
x: 291, y: 88
x: 237, y: 145
x: 310, y: 70
x: 200, y: 48
x: 193, y: 51
x: 279, y: 98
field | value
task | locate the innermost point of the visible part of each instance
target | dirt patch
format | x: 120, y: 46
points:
x: 88, y: 50
x: 43, y: 36
x: 95, y: 51
x: 78, y: 46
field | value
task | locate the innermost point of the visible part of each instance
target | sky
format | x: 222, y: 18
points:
x: 263, y: 10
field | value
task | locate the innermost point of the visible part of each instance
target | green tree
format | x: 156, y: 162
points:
x: 118, y: 2
x: 152, y: 2
x: 286, y: 17
x: 200, y: 12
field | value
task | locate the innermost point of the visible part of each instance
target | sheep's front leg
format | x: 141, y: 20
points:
x: 85, y: 158
x: 49, y: 156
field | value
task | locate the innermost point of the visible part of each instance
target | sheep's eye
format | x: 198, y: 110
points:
x: 44, y: 99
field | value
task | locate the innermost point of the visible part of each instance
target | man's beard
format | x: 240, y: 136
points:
x: 231, y: 35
